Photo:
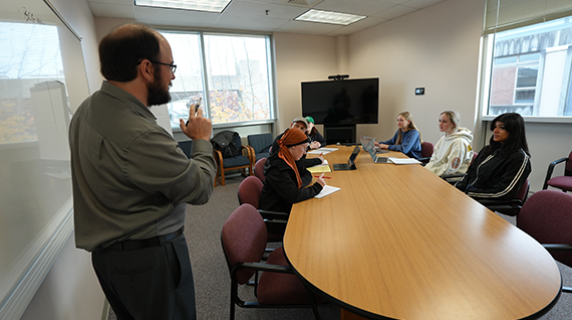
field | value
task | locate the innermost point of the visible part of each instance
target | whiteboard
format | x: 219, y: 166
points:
x: 42, y: 78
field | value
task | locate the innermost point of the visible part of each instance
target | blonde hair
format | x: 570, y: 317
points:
x: 411, y: 126
x: 455, y: 118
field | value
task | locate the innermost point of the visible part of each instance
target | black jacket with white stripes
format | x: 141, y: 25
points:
x: 495, y: 176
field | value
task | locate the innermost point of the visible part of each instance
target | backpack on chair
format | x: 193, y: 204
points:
x: 224, y: 142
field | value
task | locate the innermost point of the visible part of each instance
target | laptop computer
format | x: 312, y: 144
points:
x: 351, y: 164
x: 367, y: 145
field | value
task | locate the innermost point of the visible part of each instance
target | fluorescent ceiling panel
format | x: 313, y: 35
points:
x: 321, y: 16
x: 197, y: 5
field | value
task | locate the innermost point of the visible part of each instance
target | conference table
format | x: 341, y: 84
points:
x: 398, y: 242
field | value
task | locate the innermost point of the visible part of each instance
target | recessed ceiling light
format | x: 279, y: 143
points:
x: 321, y: 16
x: 197, y: 5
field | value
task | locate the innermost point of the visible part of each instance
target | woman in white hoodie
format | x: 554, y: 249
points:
x: 453, y: 152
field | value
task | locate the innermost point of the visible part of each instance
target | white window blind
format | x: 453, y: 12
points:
x: 504, y: 15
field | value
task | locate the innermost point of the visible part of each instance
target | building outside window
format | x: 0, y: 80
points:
x: 531, y: 69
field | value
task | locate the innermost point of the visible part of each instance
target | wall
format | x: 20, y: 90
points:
x: 436, y: 48
x: 70, y: 290
x: 300, y: 58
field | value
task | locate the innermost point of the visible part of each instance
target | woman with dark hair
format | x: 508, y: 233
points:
x: 316, y: 139
x: 501, y: 168
x: 283, y: 185
x: 407, y: 139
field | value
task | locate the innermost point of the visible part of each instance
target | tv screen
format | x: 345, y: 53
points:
x: 350, y: 101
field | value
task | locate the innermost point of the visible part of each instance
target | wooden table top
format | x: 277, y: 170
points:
x: 399, y: 242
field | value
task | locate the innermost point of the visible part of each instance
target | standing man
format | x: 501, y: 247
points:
x: 131, y: 182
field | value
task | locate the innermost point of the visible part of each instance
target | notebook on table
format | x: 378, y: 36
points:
x: 351, y: 161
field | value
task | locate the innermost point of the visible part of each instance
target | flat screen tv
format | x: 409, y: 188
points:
x: 341, y: 102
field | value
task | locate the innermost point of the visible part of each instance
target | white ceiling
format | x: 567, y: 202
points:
x: 264, y: 15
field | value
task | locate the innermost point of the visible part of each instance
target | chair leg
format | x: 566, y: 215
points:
x: 567, y: 289
x: 222, y: 177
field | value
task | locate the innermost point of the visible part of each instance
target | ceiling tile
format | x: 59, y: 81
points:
x: 258, y: 10
x: 395, y: 12
x: 308, y: 27
x: 111, y: 10
x: 367, y: 22
x: 239, y: 22
x: 173, y: 16
x: 421, y: 3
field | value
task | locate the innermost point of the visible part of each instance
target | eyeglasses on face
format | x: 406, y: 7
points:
x: 170, y: 65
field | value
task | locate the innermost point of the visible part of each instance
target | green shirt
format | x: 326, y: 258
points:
x: 130, y: 178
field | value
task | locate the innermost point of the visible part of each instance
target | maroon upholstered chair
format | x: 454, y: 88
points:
x: 243, y: 240
x: 509, y: 207
x: 426, y: 152
x: 259, y: 169
x: 547, y: 217
x: 561, y: 182
x: 249, y: 191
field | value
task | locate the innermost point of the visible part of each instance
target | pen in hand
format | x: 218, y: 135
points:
x: 323, y: 177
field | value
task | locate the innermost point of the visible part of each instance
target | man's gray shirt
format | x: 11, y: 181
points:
x: 130, y: 178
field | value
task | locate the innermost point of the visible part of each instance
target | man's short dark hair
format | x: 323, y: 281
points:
x: 121, y: 51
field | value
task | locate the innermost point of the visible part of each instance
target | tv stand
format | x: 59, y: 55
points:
x: 344, y: 134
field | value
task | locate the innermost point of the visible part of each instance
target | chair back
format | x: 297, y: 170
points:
x: 547, y: 217
x: 259, y: 169
x: 243, y: 240
x: 522, y: 193
x: 475, y: 154
x: 261, y: 143
x: 186, y: 146
x: 568, y: 168
x: 427, y: 149
x: 249, y: 191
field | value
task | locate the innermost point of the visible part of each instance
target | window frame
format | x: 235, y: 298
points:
x: 271, y: 74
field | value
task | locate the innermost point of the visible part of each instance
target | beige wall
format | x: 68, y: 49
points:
x: 436, y: 48
x: 300, y: 58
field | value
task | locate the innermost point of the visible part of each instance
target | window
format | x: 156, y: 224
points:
x: 230, y: 73
x: 531, y: 70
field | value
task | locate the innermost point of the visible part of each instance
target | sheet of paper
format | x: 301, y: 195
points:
x: 322, y: 151
x: 327, y: 190
x: 162, y: 114
x: 404, y: 161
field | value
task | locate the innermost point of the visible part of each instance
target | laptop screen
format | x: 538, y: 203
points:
x: 354, y: 155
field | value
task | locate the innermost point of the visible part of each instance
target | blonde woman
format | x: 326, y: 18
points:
x: 406, y: 140
x: 453, y: 152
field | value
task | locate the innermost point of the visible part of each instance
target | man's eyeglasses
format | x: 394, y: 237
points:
x: 170, y: 65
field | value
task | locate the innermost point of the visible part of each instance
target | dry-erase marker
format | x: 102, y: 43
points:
x: 197, y: 106
x: 323, y: 177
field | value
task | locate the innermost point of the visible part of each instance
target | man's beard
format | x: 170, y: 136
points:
x: 156, y: 95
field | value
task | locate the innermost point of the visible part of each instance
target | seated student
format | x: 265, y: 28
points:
x: 501, y: 168
x: 316, y: 139
x: 283, y: 185
x: 452, y: 153
x: 406, y: 140
x: 300, y: 124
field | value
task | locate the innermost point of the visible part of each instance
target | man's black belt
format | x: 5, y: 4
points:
x: 129, y: 245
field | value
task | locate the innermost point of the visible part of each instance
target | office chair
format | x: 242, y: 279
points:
x: 243, y: 239
x: 260, y: 145
x: 510, y: 207
x: 547, y: 217
x: 259, y: 169
x: 249, y: 191
x: 426, y: 152
x: 561, y: 182
x: 241, y: 161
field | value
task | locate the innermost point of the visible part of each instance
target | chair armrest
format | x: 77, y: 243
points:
x: 424, y: 161
x: 557, y: 247
x: 261, y: 267
x: 495, y: 205
x: 550, y: 170
x: 218, y: 156
x: 275, y: 226
x: 267, y: 214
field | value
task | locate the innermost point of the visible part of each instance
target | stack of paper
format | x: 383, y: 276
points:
x: 327, y: 190
x: 404, y: 161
